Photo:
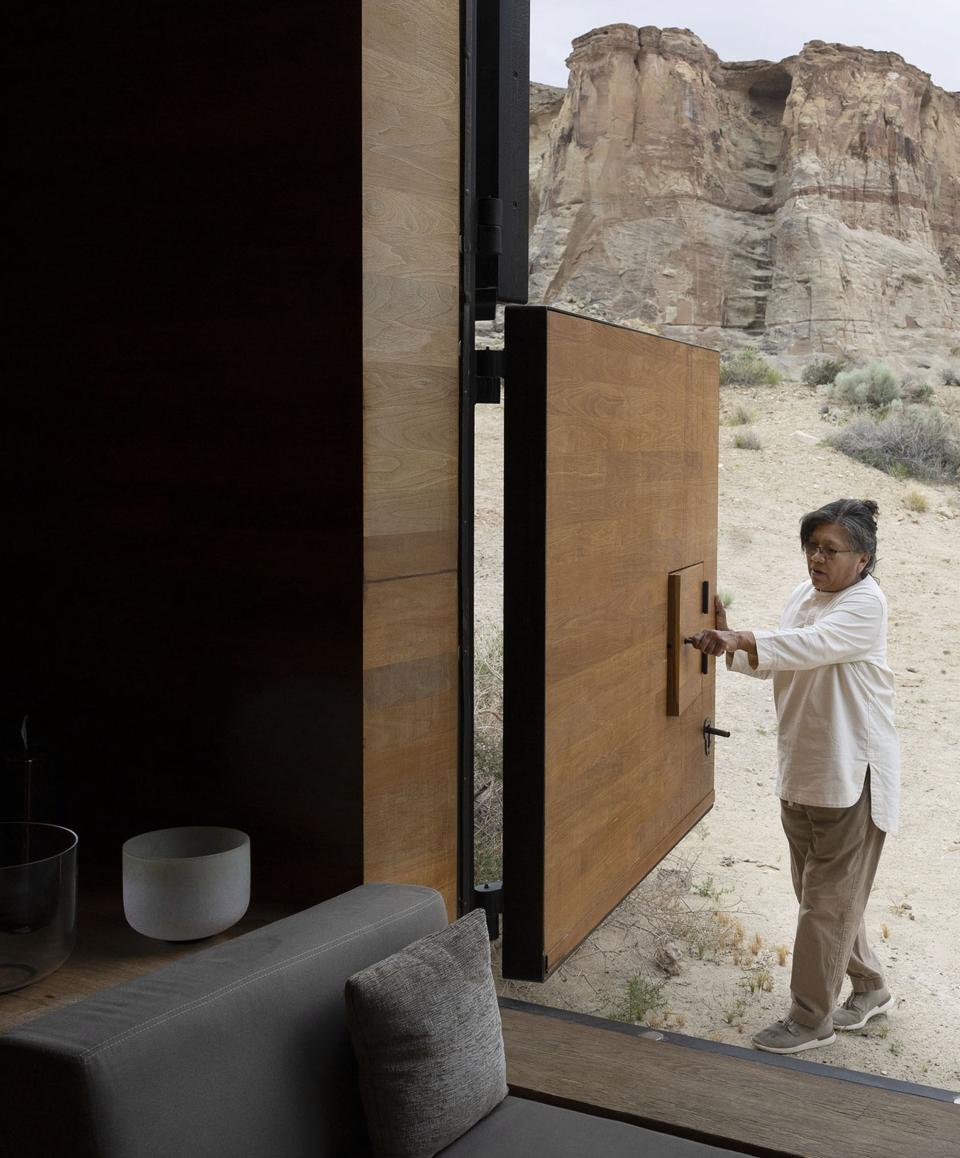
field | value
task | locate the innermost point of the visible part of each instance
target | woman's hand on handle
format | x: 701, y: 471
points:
x: 720, y: 639
x: 714, y: 642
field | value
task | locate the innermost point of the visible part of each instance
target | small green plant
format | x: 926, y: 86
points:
x: 757, y: 977
x: 896, y: 1047
x: 747, y: 440
x: 873, y: 386
x: 710, y: 890
x: 643, y: 997
x: 915, y: 501
x: 734, y: 1014
x: 741, y: 416
x: 726, y: 596
x: 747, y: 367
x: 919, y: 442
x: 822, y: 371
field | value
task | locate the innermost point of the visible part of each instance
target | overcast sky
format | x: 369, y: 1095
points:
x: 925, y: 32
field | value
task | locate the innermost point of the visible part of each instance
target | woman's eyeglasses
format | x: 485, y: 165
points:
x: 828, y: 553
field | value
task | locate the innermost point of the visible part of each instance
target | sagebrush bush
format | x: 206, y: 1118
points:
x: 747, y: 367
x: 949, y: 377
x: 740, y: 416
x: 873, y: 386
x: 822, y: 371
x: 748, y: 440
x: 918, y: 442
x: 917, y: 392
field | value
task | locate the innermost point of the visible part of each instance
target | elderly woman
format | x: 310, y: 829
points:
x: 839, y: 760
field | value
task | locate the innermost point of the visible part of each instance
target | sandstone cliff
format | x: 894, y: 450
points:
x: 802, y: 206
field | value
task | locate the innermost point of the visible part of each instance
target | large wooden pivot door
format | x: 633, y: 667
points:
x: 610, y: 561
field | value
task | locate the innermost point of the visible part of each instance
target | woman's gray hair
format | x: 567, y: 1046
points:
x: 858, y: 517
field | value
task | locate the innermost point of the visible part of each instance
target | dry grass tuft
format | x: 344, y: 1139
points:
x: 748, y: 440
x: 741, y: 416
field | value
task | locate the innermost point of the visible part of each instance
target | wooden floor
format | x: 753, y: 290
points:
x: 745, y: 1104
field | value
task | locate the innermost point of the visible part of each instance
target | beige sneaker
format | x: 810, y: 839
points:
x: 789, y: 1036
x: 857, y: 1010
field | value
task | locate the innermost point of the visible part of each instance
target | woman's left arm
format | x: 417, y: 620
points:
x: 852, y: 630
x: 849, y: 631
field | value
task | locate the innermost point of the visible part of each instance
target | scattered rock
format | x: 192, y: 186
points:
x: 676, y: 878
x: 668, y: 958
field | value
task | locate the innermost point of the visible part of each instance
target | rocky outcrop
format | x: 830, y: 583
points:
x: 805, y: 206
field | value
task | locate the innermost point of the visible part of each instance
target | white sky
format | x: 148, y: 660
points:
x: 925, y: 32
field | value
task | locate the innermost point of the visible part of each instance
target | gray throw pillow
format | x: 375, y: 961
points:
x: 426, y: 1030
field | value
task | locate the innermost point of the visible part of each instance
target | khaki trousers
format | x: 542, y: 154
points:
x: 834, y: 854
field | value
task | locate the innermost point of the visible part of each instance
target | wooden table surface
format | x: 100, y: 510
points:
x: 760, y: 1108
x: 108, y: 952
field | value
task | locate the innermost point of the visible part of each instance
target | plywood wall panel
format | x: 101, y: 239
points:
x: 411, y: 206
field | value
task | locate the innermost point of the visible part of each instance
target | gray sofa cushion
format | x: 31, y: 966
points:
x: 426, y: 1030
x: 239, y: 1050
x: 521, y: 1129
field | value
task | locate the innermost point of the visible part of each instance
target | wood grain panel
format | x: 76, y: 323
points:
x: 611, y: 486
x: 711, y: 1096
x: 411, y: 157
x: 410, y: 511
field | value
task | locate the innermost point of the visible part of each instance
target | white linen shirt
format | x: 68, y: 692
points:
x: 834, y: 696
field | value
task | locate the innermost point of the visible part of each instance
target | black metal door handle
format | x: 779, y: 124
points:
x: 709, y: 731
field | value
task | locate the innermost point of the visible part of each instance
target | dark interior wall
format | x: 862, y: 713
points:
x: 182, y: 423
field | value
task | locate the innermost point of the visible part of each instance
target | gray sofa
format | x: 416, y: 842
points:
x: 242, y: 1051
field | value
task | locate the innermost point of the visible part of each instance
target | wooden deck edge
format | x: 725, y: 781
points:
x: 740, y: 1100
x: 817, y: 1069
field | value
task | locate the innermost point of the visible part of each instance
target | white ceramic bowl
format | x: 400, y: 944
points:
x: 181, y: 884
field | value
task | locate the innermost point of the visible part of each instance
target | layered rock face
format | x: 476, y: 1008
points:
x: 805, y: 206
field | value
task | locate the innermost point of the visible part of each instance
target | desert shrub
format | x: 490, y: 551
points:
x: 949, y: 377
x: 873, y: 386
x: 918, y: 442
x: 915, y: 501
x: 643, y: 997
x: 919, y: 393
x: 748, y: 440
x: 822, y: 371
x: 747, y: 367
x: 740, y: 416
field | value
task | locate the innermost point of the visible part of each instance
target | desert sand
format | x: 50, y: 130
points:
x: 722, y: 903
